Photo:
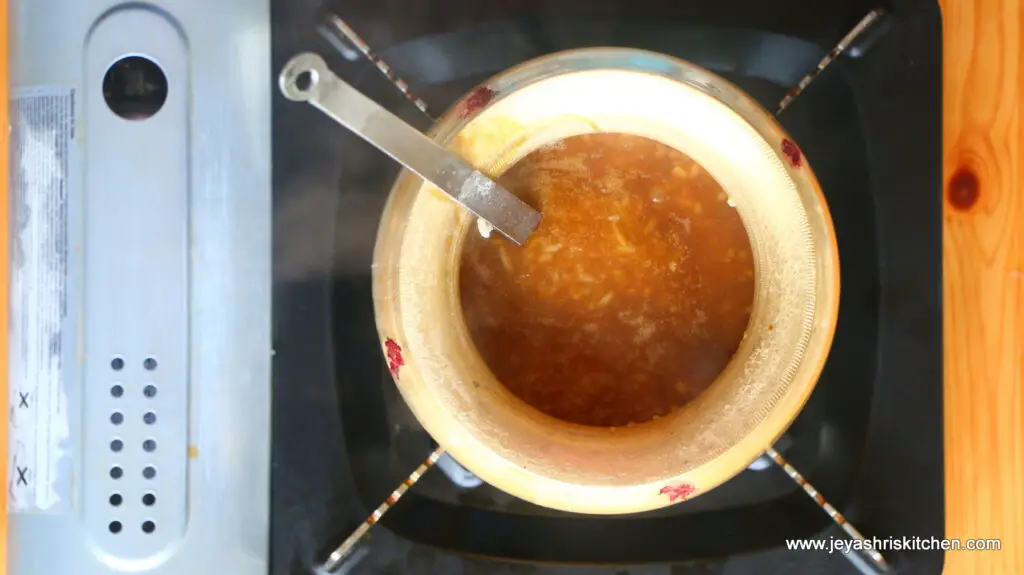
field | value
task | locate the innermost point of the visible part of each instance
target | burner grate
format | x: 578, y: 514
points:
x: 869, y: 125
x: 871, y: 561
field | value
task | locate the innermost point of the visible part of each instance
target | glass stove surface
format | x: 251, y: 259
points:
x: 343, y: 438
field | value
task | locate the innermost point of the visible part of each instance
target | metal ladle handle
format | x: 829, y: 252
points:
x: 306, y: 78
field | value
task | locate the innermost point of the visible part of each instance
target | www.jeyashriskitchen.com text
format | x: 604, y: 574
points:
x: 838, y: 545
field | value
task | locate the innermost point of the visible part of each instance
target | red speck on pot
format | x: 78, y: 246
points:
x: 678, y: 492
x: 476, y: 101
x: 792, y: 153
x: 394, y: 355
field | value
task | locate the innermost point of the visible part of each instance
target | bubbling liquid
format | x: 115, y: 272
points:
x: 632, y: 295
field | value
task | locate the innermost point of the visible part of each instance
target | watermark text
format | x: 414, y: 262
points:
x: 881, y: 544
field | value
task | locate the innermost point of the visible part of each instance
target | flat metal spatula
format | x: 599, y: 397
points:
x: 306, y: 78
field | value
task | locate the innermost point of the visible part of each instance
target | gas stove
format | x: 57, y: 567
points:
x: 869, y: 439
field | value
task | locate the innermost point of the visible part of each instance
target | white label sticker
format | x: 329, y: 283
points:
x: 42, y: 142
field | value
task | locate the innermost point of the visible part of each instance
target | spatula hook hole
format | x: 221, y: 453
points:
x: 305, y: 80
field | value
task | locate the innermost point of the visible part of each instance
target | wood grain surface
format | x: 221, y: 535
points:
x: 4, y: 275
x: 983, y: 284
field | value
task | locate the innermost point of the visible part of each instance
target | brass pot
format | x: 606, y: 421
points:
x: 583, y: 469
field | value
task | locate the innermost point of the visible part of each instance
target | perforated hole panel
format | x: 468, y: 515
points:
x: 136, y: 391
x: 141, y: 445
x: 145, y: 157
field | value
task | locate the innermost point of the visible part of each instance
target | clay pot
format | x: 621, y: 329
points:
x: 583, y: 469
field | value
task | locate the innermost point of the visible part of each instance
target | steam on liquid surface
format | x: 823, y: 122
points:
x: 631, y: 296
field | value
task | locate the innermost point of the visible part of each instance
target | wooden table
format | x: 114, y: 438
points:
x: 983, y: 284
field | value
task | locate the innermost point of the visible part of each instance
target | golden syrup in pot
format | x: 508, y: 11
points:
x: 631, y: 296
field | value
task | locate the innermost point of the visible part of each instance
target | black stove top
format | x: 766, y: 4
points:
x: 870, y: 438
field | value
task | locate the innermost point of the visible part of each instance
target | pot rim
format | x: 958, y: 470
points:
x: 490, y: 466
